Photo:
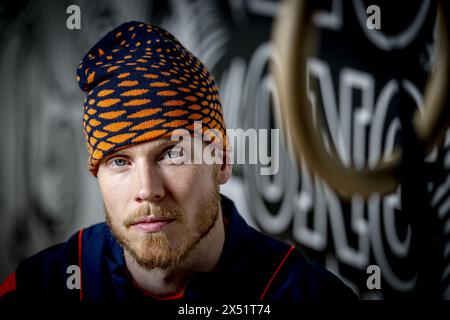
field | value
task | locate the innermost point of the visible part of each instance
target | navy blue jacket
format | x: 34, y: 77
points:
x: 253, y: 267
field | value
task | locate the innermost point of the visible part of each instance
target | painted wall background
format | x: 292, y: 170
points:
x: 362, y: 79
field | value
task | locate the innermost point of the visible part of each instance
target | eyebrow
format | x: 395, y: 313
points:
x: 167, y: 143
x: 115, y: 154
x: 160, y: 144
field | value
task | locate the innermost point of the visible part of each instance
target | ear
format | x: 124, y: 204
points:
x: 224, y: 170
x: 224, y: 173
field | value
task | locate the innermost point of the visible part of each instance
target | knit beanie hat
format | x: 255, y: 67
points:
x: 141, y: 85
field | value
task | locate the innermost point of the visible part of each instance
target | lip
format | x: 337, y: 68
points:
x: 151, y: 224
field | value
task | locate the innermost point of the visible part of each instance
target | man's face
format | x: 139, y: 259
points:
x: 159, y: 208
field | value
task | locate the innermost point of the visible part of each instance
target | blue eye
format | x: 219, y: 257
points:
x: 173, y: 154
x: 119, y: 162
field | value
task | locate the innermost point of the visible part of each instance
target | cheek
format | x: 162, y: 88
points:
x: 114, y: 196
x: 189, y: 181
x: 189, y: 186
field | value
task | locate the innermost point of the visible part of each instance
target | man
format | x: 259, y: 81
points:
x: 169, y: 234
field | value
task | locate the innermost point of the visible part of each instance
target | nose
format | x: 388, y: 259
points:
x: 149, y: 183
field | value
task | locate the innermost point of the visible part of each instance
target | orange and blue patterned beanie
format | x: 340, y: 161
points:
x: 141, y: 85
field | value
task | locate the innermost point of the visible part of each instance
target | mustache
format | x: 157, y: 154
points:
x: 157, y: 212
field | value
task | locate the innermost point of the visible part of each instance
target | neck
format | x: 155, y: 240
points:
x: 203, y: 258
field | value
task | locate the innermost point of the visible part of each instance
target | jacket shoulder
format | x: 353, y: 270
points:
x: 45, y: 274
x: 319, y: 282
x: 293, y: 276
